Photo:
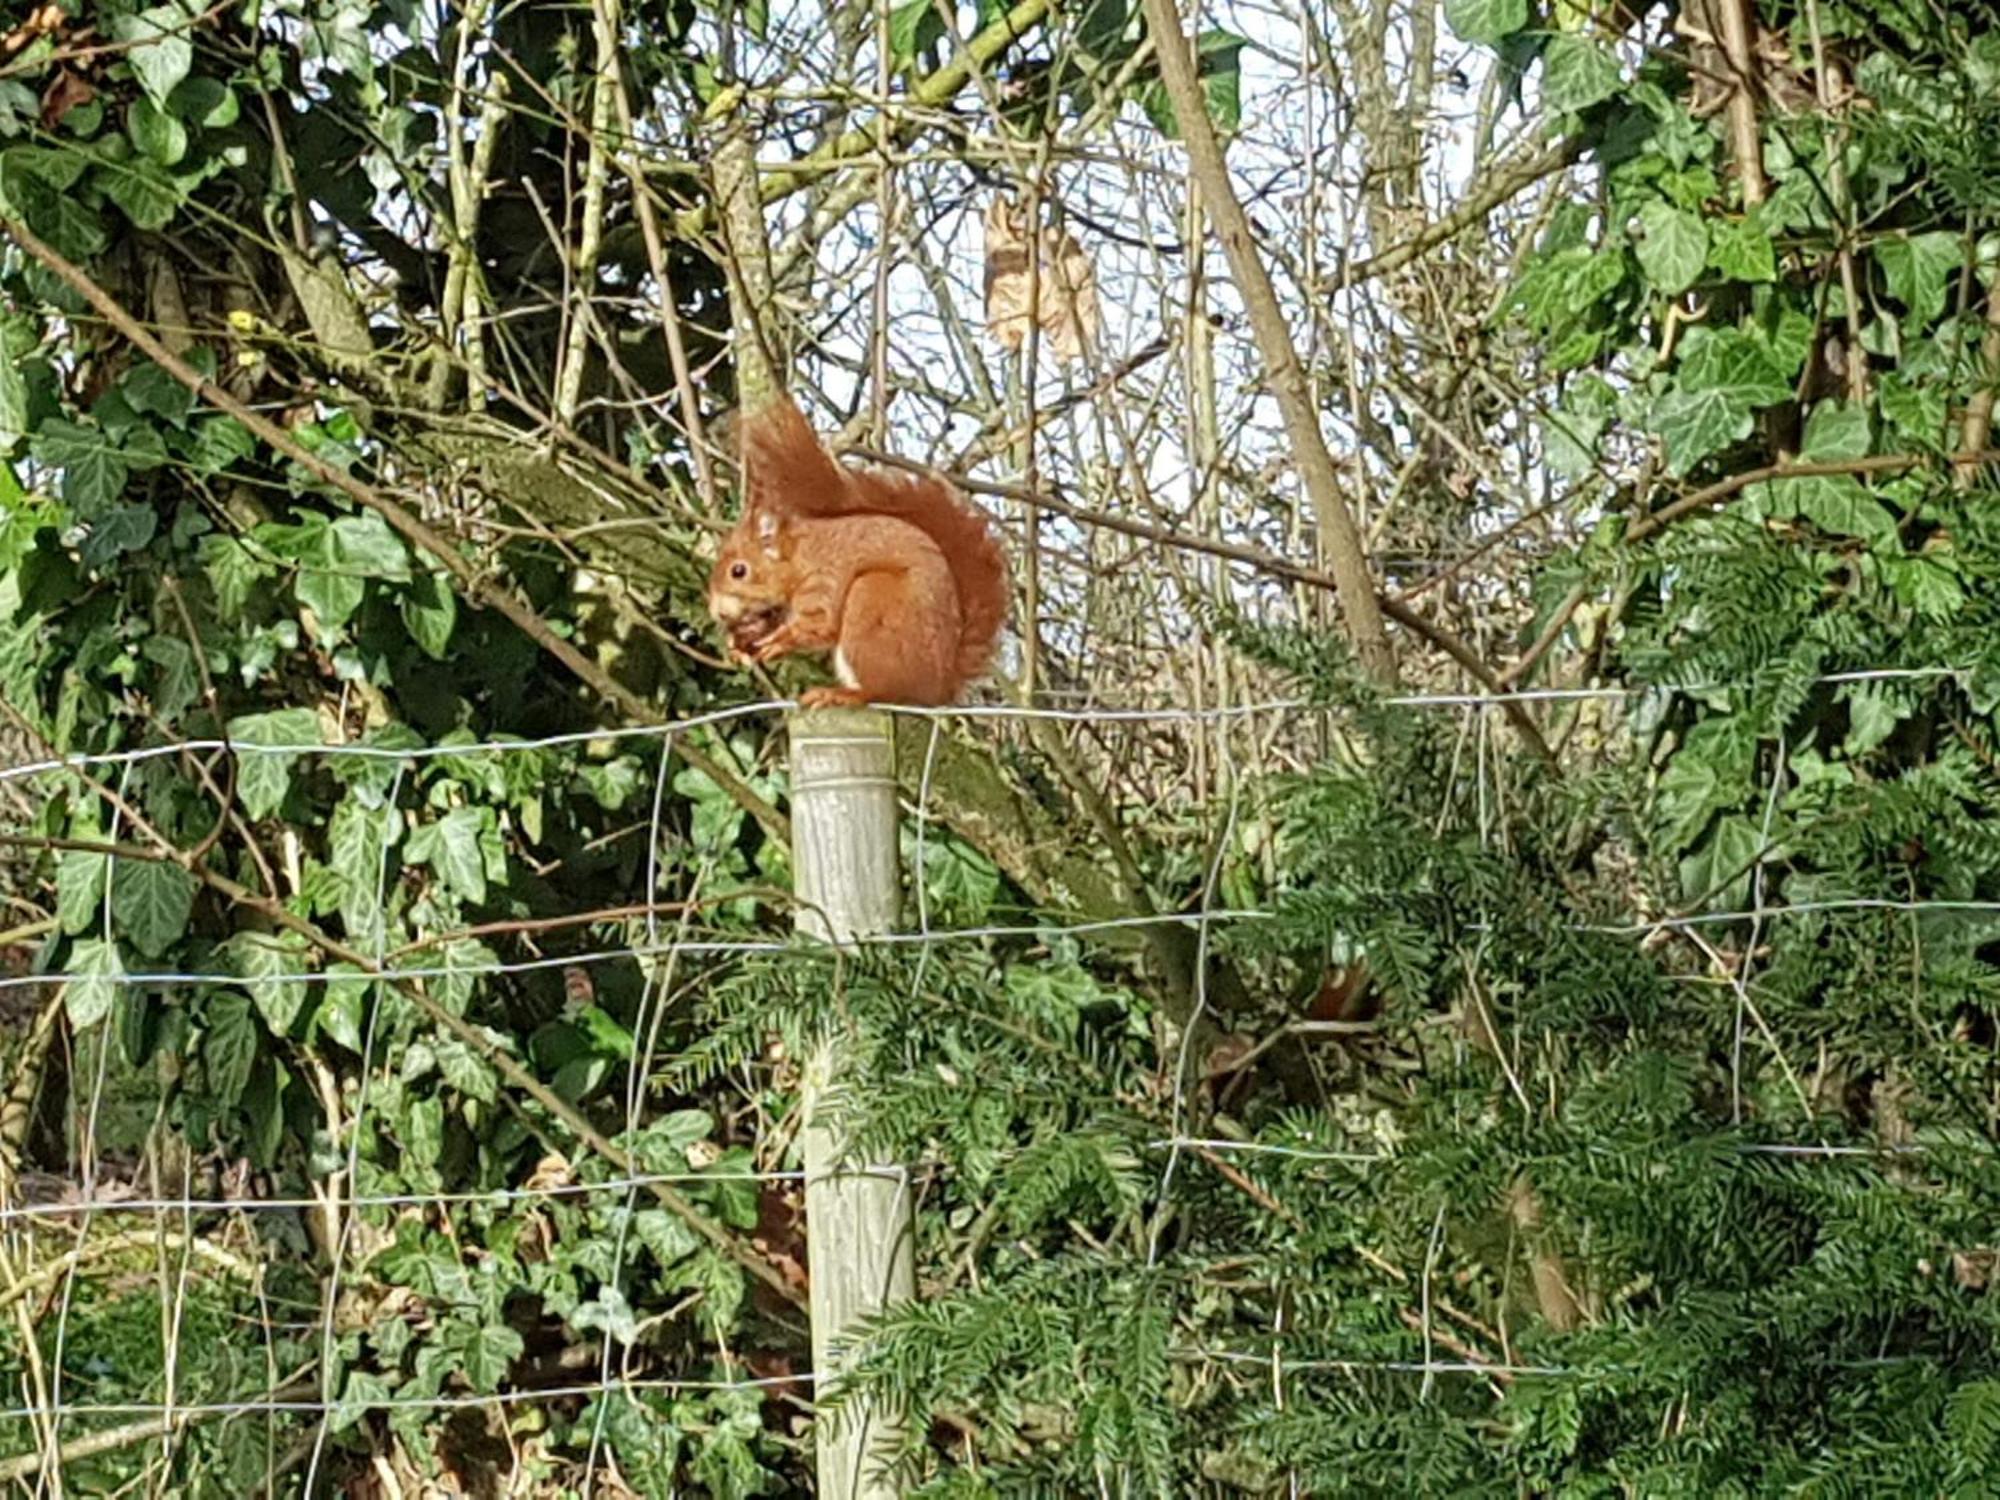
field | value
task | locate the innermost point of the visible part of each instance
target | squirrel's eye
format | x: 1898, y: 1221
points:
x: 739, y: 570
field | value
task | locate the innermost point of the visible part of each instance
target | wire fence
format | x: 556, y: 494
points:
x: 311, y: 1395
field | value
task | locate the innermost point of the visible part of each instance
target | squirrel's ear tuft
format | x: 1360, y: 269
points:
x: 767, y: 530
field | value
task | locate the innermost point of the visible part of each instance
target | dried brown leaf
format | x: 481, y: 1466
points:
x: 65, y: 92
x: 1063, y: 287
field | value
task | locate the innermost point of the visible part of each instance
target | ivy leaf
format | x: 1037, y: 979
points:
x: 207, y: 102
x: 648, y: 1449
x: 157, y: 48
x: 465, y: 964
x: 1054, y: 994
x: 263, y: 1107
x: 359, y: 836
x: 229, y: 1044
x: 731, y: 1185
x: 219, y: 442
x: 717, y: 819
x: 1919, y: 269
x: 363, y: 1391
x: 914, y: 27
x: 344, y: 1006
x: 263, y: 776
x: 144, y: 447
x: 608, y: 1312
x: 1569, y: 442
x: 151, y: 901
x: 328, y: 584
x: 146, y: 191
x: 1695, y: 423
x: 1553, y: 289
x: 1218, y: 64
x: 80, y: 882
x: 1577, y: 72
x: 666, y: 1235
x: 97, y: 977
x: 1914, y: 409
x: 423, y: 1131
x: 667, y: 1140
x: 338, y: 33
x: 13, y: 404
x: 117, y: 530
x: 450, y: 846
x: 371, y: 776
x: 151, y: 389
x: 465, y: 1070
x: 1874, y: 709
x: 1835, y: 432
x: 430, y: 613
x: 1689, y: 793
x: 613, y: 784
x: 35, y: 185
x: 271, y: 966
x: 1741, y: 250
x: 717, y: 1279
x: 233, y: 571
x: 486, y: 1353
x: 160, y: 135
x: 1786, y: 334
x: 1672, y: 247
x: 176, y: 682
x: 364, y: 544
x: 18, y: 106
x: 1487, y: 22
x: 1835, y: 503
x: 94, y: 472
x: 1734, y: 365
x: 1718, y: 873
x: 1928, y: 584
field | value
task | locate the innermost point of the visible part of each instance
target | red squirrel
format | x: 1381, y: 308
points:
x: 895, y: 573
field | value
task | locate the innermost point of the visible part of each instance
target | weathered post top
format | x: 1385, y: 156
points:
x: 844, y: 822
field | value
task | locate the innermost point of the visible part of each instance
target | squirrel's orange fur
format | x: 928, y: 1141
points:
x: 896, y: 574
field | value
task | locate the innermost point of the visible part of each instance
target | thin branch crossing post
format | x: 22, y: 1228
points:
x: 860, y: 1227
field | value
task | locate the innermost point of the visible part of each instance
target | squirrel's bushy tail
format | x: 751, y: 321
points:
x: 787, y: 470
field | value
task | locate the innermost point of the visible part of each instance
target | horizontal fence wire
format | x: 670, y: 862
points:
x: 1095, y: 714
x: 1041, y: 931
x: 278, y: 1405
x: 1272, y: 1360
x: 889, y: 1172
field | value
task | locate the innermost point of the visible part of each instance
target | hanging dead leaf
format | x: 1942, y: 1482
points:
x: 1064, y: 284
x: 65, y: 92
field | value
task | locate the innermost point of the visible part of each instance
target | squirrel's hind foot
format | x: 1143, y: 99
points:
x: 832, y: 697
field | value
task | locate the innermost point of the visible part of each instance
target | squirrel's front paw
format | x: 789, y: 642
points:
x: 769, y: 648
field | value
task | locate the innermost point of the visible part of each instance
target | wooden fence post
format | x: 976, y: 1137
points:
x: 860, y: 1227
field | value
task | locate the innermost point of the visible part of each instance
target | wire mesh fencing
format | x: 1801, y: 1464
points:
x: 75, y: 1241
